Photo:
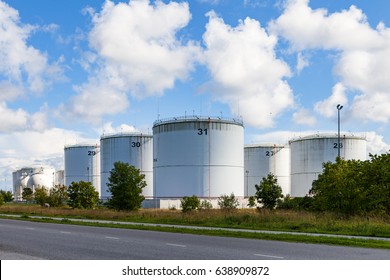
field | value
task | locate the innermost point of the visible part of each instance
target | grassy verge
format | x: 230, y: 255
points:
x: 291, y: 221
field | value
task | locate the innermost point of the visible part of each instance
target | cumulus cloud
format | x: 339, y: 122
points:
x: 306, y: 28
x: 327, y: 107
x: 362, y: 66
x: 302, y: 62
x: 18, y: 119
x: 21, y: 64
x: 137, y: 52
x: 376, y: 144
x: 26, y: 148
x: 304, y: 117
x: 108, y: 128
x: 246, y: 72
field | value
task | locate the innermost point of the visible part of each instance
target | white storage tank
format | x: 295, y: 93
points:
x: 198, y: 156
x: 82, y: 163
x: 260, y: 160
x: 20, y: 179
x: 309, y: 153
x: 60, y: 178
x: 133, y: 148
x: 42, y: 176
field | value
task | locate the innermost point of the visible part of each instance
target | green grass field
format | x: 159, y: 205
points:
x: 278, y: 220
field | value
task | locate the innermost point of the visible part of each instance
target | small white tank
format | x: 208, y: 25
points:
x: 309, y: 153
x: 260, y: 160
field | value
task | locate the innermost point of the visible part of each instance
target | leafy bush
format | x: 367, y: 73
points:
x: 228, y: 202
x: 58, y: 196
x: 205, y: 205
x: 82, y: 195
x: 41, y: 196
x: 189, y: 203
x: 6, y: 195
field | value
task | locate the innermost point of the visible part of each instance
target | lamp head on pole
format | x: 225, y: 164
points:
x: 339, y: 107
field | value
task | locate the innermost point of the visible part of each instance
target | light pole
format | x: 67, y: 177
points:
x: 339, y: 107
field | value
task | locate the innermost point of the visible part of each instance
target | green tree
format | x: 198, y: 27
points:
x: 268, y: 192
x: 378, y: 179
x: 82, y: 195
x: 58, y: 196
x: 1, y: 200
x: 41, y: 195
x: 189, y: 203
x: 228, y: 202
x: 125, y: 185
x: 342, y: 187
x: 251, y: 201
x: 7, y: 195
x: 27, y: 194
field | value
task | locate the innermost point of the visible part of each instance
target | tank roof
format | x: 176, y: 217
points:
x: 81, y: 146
x: 198, y: 119
x: 327, y: 135
x: 125, y: 134
x: 265, y: 145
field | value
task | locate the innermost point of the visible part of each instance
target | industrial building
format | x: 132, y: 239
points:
x: 133, y: 148
x: 32, y: 177
x: 82, y: 163
x: 262, y: 159
x: 202, y: 156
x: 309, y: 153
x: 198, y: 156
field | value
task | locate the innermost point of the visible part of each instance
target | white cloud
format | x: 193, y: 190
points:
x: 304, y: 117
x: 306, y: 28
x: 11, y: 120
x: 26, y: 148
x: 368, y: 72
x: 363, y: 64
x: 9, y: 92
x: 94, y: 99
x: 137, y: 52
x: 21, y: 64
x: 376, y: 144
x: 108, y: 128
x: 18, y: 119
x: 327, y: 107
x: 247, y: 74
x: 302, y: 62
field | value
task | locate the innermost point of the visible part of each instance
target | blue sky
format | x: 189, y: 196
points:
x: 72, y: 70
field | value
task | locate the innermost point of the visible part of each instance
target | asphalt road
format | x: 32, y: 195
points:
x: 33, y: 240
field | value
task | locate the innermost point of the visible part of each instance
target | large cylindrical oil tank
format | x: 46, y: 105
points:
x: 41, y: 177
x: 198, y: 156
x: 260, y: 160
x: 309, y: 153
x: 82, y: 163
x: 135, y: 149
